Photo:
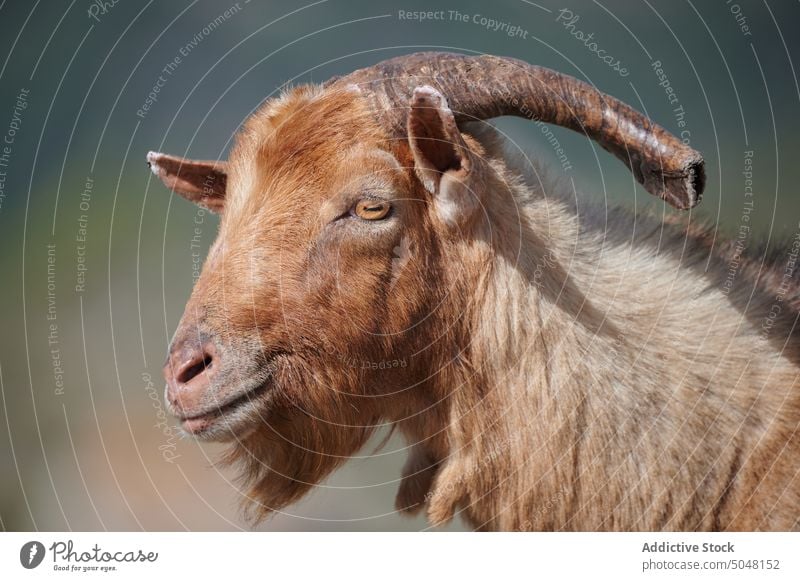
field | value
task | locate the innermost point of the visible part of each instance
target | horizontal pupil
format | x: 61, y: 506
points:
x: 372, y: 211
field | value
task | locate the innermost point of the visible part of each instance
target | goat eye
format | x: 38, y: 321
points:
x: 372, y: 209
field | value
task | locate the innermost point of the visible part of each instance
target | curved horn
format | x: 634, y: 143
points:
x: 482, y: 87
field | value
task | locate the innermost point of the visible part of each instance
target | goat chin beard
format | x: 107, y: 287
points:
x: 290, y: 452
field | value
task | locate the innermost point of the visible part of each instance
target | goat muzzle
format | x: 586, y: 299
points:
x: 189, y: 371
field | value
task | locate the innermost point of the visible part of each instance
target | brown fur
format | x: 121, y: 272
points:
x: 558, y: 374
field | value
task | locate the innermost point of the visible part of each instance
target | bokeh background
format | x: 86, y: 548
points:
x: 84, y: 325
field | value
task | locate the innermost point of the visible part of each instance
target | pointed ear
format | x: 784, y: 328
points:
x: 201, y: 182
x: 442, y: 160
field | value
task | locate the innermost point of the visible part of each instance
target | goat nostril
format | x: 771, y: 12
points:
x: 192, y: 371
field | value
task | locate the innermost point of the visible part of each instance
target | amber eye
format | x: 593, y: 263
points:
x: 372, y: 209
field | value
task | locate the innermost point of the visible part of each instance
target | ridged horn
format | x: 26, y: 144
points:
x: 483, y: 87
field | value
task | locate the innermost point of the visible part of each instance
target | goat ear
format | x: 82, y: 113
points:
x: 201, y: 182
x: 441, y: 157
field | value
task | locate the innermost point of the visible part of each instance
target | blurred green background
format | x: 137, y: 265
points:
x: 82, y: 445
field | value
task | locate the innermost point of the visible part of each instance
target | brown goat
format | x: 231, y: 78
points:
x: 380, y: 261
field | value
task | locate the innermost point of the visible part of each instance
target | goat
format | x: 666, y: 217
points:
x: 382, y: 262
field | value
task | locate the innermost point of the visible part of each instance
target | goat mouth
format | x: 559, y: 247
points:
x: 202, y: 423
x: 229, y: 417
